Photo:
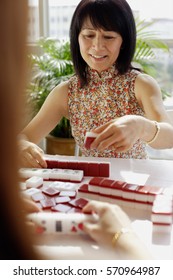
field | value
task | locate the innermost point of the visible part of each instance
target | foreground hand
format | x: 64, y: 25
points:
x: 29, y: 206
x: 111, y: 220
x: 119, y: 134
x: 31, y: 155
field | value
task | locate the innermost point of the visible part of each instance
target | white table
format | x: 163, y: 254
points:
x: 148, y: 172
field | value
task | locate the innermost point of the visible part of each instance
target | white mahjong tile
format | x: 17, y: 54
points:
x: 95, y: 189
x: 55, y: 173
x: 25, y: 172
x: 58, y: 185
x: 34, y: 182
x: 30, y: 192
x: 76, y: 175
x: 161, y: 228
x: 45, y: 173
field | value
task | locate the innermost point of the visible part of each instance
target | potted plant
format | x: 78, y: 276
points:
x: 54, y: 65
x: 49, y: 69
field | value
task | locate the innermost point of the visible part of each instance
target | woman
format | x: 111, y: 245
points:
x: 106, y: 95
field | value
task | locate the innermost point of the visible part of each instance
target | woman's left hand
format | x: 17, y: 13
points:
x: 119, y: 134
x: 30, y: 206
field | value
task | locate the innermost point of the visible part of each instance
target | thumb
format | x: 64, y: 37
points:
x: 89, y: 227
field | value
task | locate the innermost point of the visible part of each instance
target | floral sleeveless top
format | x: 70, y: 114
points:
x: 107, y: 96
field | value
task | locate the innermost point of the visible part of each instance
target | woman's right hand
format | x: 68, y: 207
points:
x: 31, y: 155
x: 112, y: 220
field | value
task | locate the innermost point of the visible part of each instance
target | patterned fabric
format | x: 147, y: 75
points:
x: 107, y: 96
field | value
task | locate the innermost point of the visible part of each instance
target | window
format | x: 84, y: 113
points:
x: 160, y: 12
x: 33, y: 21
x: 46, y: 17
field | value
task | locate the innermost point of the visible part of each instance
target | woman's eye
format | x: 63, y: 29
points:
x: 89, y: 36
x: 108, y: 37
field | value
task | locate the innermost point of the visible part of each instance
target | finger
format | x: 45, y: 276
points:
x: 30, y: 206
x: 118, y: 146
x: 37, y: 154
x: 110, y: 135
x: 99, y: 140
x: 29, y: 161
x: 124, y: 148
x: 95, y: 206
x: 121, y: 149
x: 32, y: 227
x: 90, y: 227
x: 100, y: 128
x: 34, y: 159
x: 111, y: 142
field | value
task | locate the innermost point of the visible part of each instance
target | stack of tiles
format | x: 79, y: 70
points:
x: 162, y: 213
x: 89, y: 168
x: 53, y: 196
x: 121, y: 193
x: 52, y: 174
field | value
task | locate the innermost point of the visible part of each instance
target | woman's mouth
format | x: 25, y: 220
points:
x: 98, y: 57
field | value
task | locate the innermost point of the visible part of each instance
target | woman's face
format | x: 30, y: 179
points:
x: 99, y: 48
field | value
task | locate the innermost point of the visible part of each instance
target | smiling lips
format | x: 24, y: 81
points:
x: 98, y: 57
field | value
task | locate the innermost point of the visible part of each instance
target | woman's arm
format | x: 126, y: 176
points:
x: 123, y: 132
x: 53, y: 109
x: 149, y: 97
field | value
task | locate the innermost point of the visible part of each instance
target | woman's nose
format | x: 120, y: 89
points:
x: 98, y: 43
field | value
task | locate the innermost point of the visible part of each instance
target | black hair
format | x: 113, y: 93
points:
x: 112, y: 15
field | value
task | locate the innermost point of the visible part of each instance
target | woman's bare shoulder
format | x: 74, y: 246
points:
x: 146, y: 80
x: 62, y: 87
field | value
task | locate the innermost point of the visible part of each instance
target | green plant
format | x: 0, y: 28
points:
x: 48, y: 70
x: 54, y: 65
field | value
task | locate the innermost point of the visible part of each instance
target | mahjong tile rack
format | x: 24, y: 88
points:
x: 143, y: 188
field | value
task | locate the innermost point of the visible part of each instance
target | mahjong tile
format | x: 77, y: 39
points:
x: 75, y: 210
x: 34, y: 182
x: 37, y: 196
x: 47, y: 203
x: 89, y: 138
x: 51, y: 191
x: 93, y: 169
x: 83, y: 166
x: 61, y: 208
x: 62, y: 199
x: 78, y: 202
x: 67, y: 193
x: 96, y: 181
x: 104, y: 169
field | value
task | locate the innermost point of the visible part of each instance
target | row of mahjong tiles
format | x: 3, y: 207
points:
x: 158, y: 200
x: 90, y: 168
x: 57, y: 170
x: 65, y: 195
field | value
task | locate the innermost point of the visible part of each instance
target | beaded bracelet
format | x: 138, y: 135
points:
x: 156, y: 134
x: 118, y: 234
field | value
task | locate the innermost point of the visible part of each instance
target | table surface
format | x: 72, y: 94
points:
x: 144, y: 172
